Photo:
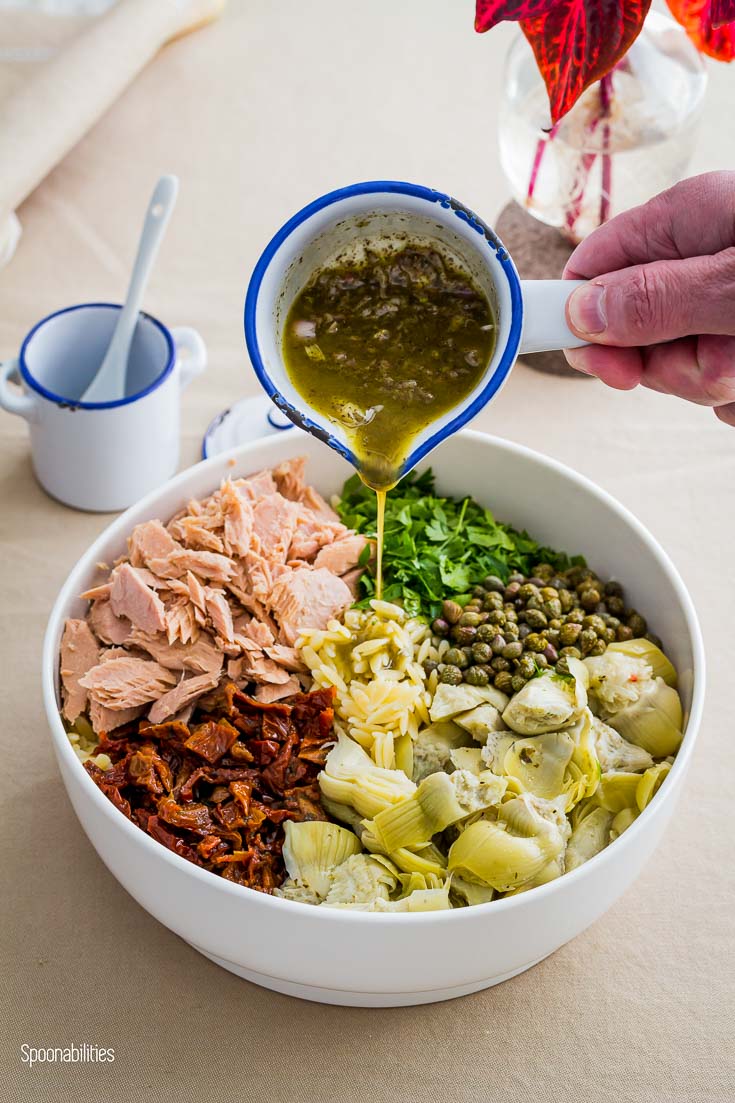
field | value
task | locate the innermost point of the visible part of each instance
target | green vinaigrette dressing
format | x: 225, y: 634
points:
x: 383, y: 347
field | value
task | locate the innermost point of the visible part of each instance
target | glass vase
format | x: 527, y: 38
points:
x: 628, y: 137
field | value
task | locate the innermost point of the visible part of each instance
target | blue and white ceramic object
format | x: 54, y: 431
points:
x: 530, y: 314
x: 101, y: 455
x: 248, y: 420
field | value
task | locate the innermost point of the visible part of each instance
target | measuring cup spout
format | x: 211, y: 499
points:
x: 545, y: 326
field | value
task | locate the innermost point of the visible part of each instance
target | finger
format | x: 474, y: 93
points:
x: 662, y: 301
x: 694, y: 218
x: 726, y: 413
x: 619, y: 368
x: 698, y: 369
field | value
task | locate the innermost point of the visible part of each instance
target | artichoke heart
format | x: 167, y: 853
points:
x: 615, y: 681
x: 546, y: 704
x: 468, y: 758
x: 615, y: 753
x: 312, y: 849
x: 650, y: 783
x: 440, y: 800
x: 449, y: 701
x: 361, y: 879
x: 480, y: 721
x: 433, y: 747
x: 589, y: 837
x: 654, y: 721
x: 650, y: 654
x: 617, y: 790
x: 351, y: 777
x: 540, y: 763
x: 516, y: 850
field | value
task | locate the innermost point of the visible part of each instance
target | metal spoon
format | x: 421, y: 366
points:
x: 109, y: 383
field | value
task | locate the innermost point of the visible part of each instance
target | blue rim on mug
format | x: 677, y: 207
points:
x: 77, y: 404
x: 369, y: 187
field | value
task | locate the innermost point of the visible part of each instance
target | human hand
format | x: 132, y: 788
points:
x: 660, y: 308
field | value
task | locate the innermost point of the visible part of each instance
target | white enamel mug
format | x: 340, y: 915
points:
x: 530, y: 314
x: 101, y: 456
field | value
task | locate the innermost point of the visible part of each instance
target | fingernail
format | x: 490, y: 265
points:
x: 576, y: 359
x: 587, y: 309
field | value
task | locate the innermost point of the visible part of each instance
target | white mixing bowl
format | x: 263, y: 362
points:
x: 373, y: 960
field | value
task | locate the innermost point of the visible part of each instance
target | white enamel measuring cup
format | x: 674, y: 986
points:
x: 101, y: 455
x: 530, y: 313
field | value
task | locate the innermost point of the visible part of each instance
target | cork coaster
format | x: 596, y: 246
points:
x: 540, y: 253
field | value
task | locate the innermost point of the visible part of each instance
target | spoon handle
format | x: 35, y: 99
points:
x: 109, y: 382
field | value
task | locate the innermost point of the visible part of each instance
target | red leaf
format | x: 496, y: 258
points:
x: 722, y: 12
x: 576, y: 42
x: 697, y: 19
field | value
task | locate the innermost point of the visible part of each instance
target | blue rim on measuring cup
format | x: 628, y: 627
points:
x: 77, y: 404
x: 369, y: 187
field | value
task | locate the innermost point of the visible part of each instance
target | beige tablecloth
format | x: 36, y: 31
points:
x: 258, y: 114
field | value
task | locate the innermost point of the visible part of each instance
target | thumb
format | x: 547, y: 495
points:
x: 650, y: 303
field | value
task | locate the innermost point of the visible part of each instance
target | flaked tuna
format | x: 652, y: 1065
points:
x: 219, y: 613
x: 130, y: 597
x: 105, y: 625
x: 267, y: 693
x: 274, y: 523
x: 307, y: 598
x: 206, y: 565
x: 79, y: 653
x: 106, y: 720
x: 342, y: 555
x: 126, y: 682
x: 201, y: 657
x: 184, y: 694
x: 238, y: 519
x: 149, y: 540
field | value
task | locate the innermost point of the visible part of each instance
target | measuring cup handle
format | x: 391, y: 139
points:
x: 22, y: 404
x: 191, y: 353
x: 545, y: 326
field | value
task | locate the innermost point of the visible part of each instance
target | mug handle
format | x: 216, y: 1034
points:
x: 24, y: 405
x: 545, y: 326
x: 194, y: 359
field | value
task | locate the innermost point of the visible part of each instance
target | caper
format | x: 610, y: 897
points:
x: 486, y: 633
x: 493, y: 584
x: 440, y: 627
x: 536, y: 619
x: 483, y: 617
x: 511, y: 615
x: 557, y: 583
x: 655, y: 640
x: 476, y: 676
x: 527, y: 590
x: 637, y: 624
x: 575, y: 616
x: 451, y: 611
x: 598, y: 647
x: 566, y: 597
x: 518, y: 682
x: 456, y: 657
x: 496, y: 617
x: 555, y: 623
x: 552, y: 607
x: 478, y: 592
x: 624, y: 633
x: 482, y: 652
x: 615, y: 605
x: 492, y: 601
x: 543, y: 570
x: 523, y: 631
x: 552, y: 635
x: 499, y: 663
x: 586, y: 640
x: 527, y: 666
x: 511, y: 631
x: 504, y: 681
x: 430, y: 666
x: 534, y: 603
x: 541, y: 661
x: 612, y: 622
x: 589, y: 598
x: 574, y: 576
x: 511, y: 590
x: 548, y: 592
x: 534, y: 642
x: 516, y: 577
x: 594, y: 622
x: 550, y: 654
x: 600, y: 609
x: 464, y: 633
x: 471, y: 620
x: 473, y: 606
x: 562, y: 667
x: 513, y: 650
x: 569, y: 653
x: 497, y: 644
x: 609, y: 635
x: 534, y: 580
x: 613, y: 589
x: 451, y: 676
